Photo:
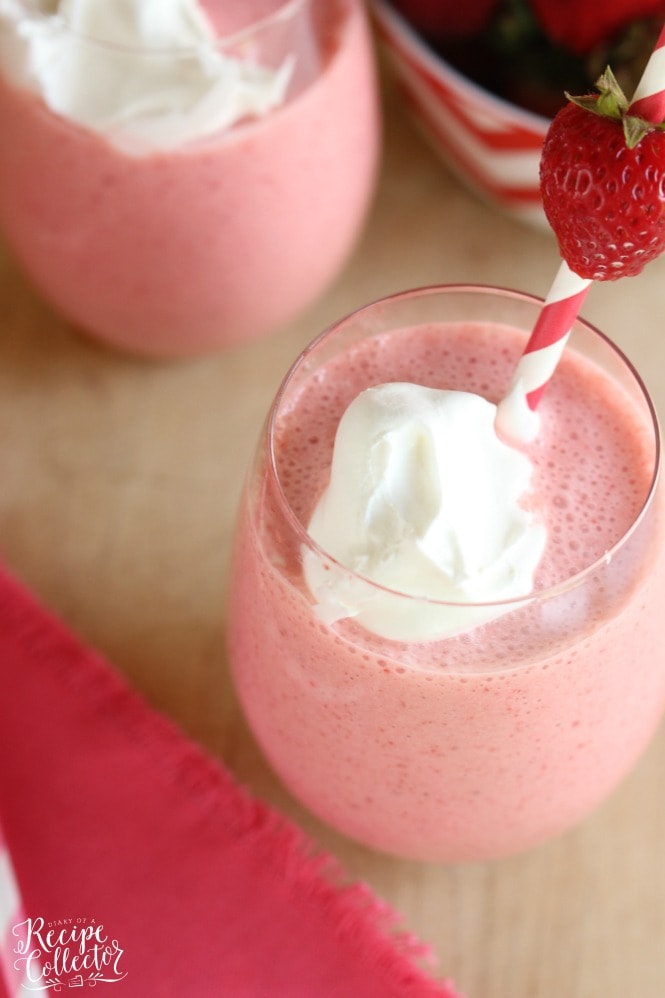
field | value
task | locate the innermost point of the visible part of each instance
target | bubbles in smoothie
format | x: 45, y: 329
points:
x: 592, y: 459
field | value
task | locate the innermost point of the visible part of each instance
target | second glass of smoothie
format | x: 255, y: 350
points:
x: 142, y: 221
x: 460, y: 731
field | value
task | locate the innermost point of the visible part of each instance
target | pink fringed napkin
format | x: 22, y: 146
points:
x: 143, y: 868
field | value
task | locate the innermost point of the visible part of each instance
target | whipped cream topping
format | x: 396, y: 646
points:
x: 424, y: 499
x: 146, y: 73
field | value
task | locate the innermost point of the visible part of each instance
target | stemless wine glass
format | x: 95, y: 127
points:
x: 221, y: 238
x: 508, y: 732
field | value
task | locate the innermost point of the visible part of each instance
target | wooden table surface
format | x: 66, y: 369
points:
x: 119, y: 482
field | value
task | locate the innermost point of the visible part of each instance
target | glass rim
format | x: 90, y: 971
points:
x: 286, y: 10
x: 535, y: 596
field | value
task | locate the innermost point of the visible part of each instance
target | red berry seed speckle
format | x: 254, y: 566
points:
x: 604, y: 201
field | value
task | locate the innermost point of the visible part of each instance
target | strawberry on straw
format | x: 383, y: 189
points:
x: 602, y: 178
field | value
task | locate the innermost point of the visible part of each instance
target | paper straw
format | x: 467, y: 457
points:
x: 12, y: 921
x: 649, y: 97
x: 516, y: 417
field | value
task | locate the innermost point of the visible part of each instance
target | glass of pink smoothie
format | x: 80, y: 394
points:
x: 192, y: 245
x: 510, y: 730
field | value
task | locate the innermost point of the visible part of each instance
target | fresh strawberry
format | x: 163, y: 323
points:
x: 579, y: 25
x: 446, y: 18
x: 602, y: 180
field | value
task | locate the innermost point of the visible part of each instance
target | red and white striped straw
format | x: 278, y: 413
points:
x: 12, y: 923
x: 516, y: 417
x: 649, y: 97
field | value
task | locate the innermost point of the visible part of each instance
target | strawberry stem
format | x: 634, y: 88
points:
x: 611, y: 102
x: 634, y: 129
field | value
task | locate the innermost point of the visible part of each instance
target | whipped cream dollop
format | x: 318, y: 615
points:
x: 145, y: 73
x: 423, y: 499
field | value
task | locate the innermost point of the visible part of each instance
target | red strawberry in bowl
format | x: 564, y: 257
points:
x: 602, y: 177
x: 438, y: 18
x: 579, y: 25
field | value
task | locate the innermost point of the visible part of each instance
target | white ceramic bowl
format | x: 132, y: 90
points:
x: 492, y: 145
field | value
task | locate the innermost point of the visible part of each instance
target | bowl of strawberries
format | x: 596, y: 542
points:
x: 484, y: 78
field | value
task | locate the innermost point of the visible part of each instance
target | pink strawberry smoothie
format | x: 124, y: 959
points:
x: 213, y: 243
x: 498, y: 738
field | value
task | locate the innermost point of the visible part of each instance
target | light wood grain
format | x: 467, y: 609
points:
x: 118, y: 486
